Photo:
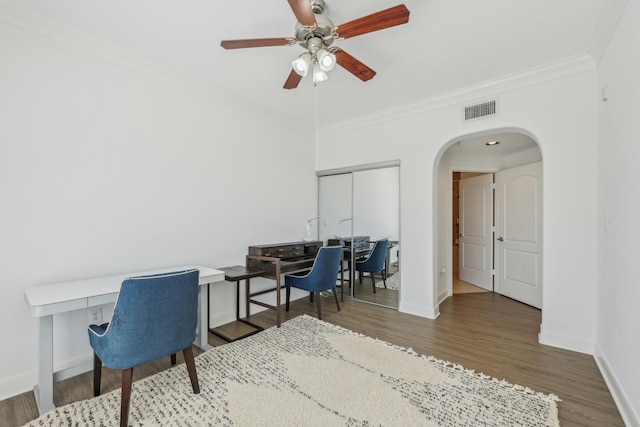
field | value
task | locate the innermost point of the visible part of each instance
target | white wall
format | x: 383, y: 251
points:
x: 560, y: 112
x: 105, y: 169
x: 618, y: 340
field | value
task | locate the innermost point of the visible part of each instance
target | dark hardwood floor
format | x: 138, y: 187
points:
x: 484, y: 331
x: 382, y: 296
x: 363, y: 290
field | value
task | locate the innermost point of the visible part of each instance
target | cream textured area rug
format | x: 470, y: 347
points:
x: 392, y: 282
x: 312, y: 373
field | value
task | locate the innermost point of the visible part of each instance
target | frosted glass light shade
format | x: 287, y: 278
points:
x: 302, y: 64
x: 326, y: 60
x: 319, y: 75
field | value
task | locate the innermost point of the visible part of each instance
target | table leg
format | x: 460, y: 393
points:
x: 247, y: 292
x: 238, y: 299
x: 208, y: 304
x: 342, y: 280
x: 278, y: 301
x: 278, y: 277
x: 43, y: 391
x: 257, y: 328
x: 386, y: 260
x: 352, y: 277
x: 202, y: 333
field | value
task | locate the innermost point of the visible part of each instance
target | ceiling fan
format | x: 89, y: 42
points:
x: 316, y: 33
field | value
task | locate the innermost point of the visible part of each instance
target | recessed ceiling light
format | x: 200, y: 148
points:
x: 492, y: 143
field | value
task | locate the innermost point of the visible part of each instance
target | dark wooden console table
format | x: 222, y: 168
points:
x: 277, y: 259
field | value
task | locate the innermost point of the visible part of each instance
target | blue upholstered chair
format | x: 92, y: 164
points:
x: 322, y: 277
x: 375, y: 263
x: 155, y: 316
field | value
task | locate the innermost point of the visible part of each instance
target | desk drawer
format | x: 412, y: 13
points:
x: 288, y: 252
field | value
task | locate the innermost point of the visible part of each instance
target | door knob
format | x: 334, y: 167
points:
x: 500, y: 239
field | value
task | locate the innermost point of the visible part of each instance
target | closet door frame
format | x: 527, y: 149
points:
x: 345, y: 225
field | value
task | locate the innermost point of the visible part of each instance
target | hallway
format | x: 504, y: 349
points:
x: 460, y: 287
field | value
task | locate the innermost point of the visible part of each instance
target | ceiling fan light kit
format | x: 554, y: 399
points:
x: 316, y: 33
x: 322, y: 61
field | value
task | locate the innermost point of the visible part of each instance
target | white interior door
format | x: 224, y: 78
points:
x: 476, y: 235
x: 519, y: 233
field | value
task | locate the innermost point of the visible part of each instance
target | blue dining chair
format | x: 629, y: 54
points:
x: 154, y: 316
x: 321, y: 277
x: 375, y: 263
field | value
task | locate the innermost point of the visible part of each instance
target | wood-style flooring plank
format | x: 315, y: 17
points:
x: 481, y: 331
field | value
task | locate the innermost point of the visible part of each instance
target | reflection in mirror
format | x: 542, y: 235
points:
x: 376, y: 202
x: 334, y: 213
x: 356, y: 209
x: 334, y: 206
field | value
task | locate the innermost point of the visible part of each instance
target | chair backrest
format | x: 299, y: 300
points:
x: 376, y: 259
x: 155, y: 316
x: 325, y: 269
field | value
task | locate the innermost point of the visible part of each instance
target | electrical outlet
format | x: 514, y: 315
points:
x: 95, y: 315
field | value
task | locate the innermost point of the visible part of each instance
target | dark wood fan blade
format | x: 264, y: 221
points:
x: 304, y: 13
x: 353, y: 65
x: 244, y: 43
x: 376, y: 21
x: 292, y: 81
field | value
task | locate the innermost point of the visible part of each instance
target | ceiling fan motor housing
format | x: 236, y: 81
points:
x: 323, y: 29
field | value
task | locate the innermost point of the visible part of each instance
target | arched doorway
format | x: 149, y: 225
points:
x: 484, y: 249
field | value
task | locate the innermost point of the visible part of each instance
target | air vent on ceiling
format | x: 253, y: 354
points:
x: 480, y: 110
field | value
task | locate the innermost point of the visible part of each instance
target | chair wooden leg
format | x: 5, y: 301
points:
x: 384, y: 278
x: 97, y: 374
x: 286, y: 305
x: 335, y: 294
x: 319, y: 306
x: 127, y: 377
x: 373, y: 282
x: 191, y: 367
x: 173, y: 359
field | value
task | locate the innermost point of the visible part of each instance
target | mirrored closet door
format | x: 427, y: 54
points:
x: 358, y: 207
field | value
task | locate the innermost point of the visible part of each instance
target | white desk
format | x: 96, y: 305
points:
x: 47, y: 300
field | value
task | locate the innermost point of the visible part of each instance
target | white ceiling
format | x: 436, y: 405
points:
x: 447, y: 45
x: 509, y: 143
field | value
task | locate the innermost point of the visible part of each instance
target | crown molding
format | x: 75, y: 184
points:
x: 19, y: 16
x: 609, y: 18
x: 569, y: 66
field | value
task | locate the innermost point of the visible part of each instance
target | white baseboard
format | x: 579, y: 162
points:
x: 443, y: 296
x: 630, y: 417
x: 419, y: 310
x: 13, y: 386
x: 76, y: 366
x: 566, y: 342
